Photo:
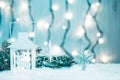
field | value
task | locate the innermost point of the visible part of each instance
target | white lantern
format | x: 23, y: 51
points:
x: 22, y: 53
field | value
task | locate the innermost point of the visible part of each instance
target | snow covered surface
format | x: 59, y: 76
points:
x: 92, y: 72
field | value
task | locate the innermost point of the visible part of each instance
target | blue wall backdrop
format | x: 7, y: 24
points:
x: 60, y: 16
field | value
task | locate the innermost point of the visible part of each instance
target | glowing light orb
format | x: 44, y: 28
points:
x: 74, y: 52
x: 69, y: 15
x: 55, y: 7
x: 42, y: 24
x: 89, y: 21
x: 97, y: 4
x: 55, y: 50
x: 8, y: 7
x: 93, y: 60
x: 98, y: 34
x: 89, y: 17
x: 45, y: 43
x: 17, y: 19
x: 70, y: 1
x: 80, y: 32
x: 24, y: 6
x: 31, y: 34
x: 2, y: 4
x: 105, y: 58
x: 95, y: 7
x: 101, y: 40
x: 64, y: 27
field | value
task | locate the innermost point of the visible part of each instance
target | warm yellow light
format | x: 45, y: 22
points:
x: 69, y: 15
x: 55, y: 7
x: 74, y: 52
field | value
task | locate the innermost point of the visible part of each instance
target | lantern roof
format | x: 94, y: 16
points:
x: 23, y: 43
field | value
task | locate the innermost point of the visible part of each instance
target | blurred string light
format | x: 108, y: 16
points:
x: 12, y: 18
x: 64, y: 27
x: 43, y: 25
x: 24, y: 5
x: 17, y: 19
x: 98, y: 34
x: 55, y: 50
x: 31, y: 34
x: 95, y: 7
x: 31, y: 16
x: 55, y: 7
x: 52, y: 20
x: 74, y: 53
x: 93, y: 60
x: 87, y: 16
x: 8, y: 7
x: 70, y: 1
x: 90, y: 20
x: 79, y: 32
x: 28, y: 6
x: 2, y: 4
x: 100, y: 39
x: 66, y: 30
x: 0, y: 17
x: 45, y: 43
x: 105, y: 58
x: 68, y: 15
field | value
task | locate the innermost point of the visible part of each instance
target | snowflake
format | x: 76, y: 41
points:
x: 84, y: 58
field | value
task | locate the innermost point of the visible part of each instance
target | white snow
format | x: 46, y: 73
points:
x: 92, y: 72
